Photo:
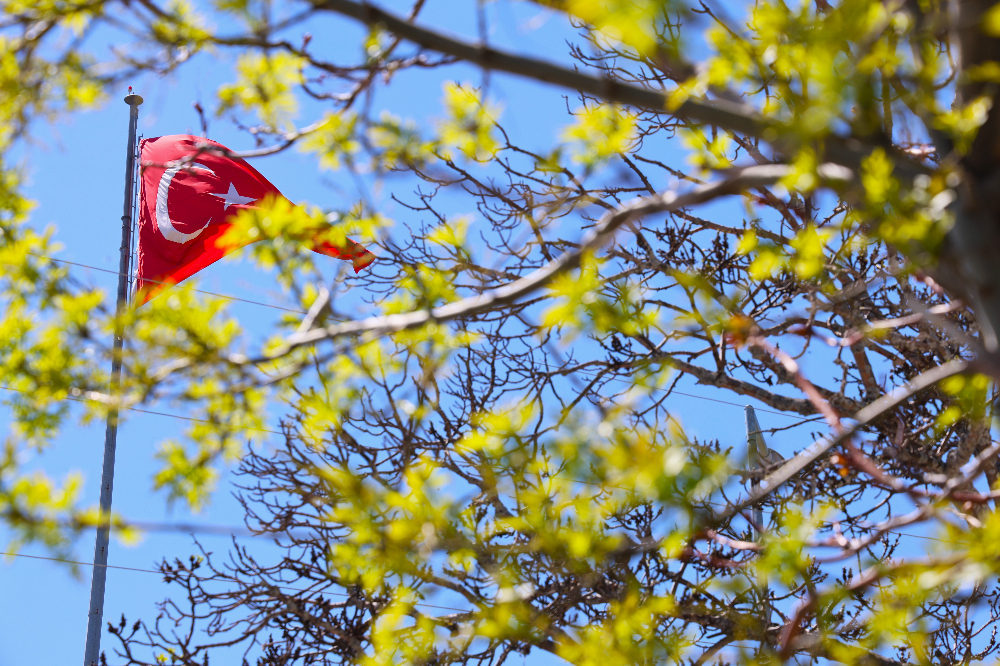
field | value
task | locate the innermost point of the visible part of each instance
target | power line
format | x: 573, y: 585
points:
x: 275, y: 432
x: 724, y: 402
x: 720, y: 504
x: 278, y: 307
x: 160, y: 573
x: 169, y: 284
x: 245, y: 532
x: 298, y: 589
x: 189, y: 418
x: 86, y: 564
x: 225, y: 530
x: 147, y: 411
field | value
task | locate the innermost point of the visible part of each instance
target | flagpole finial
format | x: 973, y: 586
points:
x: 132, y: 99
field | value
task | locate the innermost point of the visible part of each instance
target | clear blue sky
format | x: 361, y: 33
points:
x: 75, y: 174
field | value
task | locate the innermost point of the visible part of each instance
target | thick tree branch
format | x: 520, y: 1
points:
x: 721, y: 113
x: 972, y: 250
x: 737, y: 181
x: 863, y: 418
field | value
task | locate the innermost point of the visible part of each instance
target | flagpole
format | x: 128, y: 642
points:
x: 95, y: 616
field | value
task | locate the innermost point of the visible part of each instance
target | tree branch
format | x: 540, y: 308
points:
x: 721, y: 113
x: 737, y: 181
x: 864, y: 417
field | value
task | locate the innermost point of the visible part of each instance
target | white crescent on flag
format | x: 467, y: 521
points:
x: 163, y: 222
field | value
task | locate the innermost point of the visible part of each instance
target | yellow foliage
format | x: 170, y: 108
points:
x: 469, y: 125
x: 600, y: 132
x: 264, y: 86
x: 334, y: 141
x: 629, y: 22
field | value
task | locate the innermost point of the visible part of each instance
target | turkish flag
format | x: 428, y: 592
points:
x: 191, y: 190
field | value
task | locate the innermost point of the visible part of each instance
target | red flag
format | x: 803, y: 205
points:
x: 191, y: 190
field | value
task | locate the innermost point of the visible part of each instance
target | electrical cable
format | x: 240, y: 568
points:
x: 278, y: 307
x: 160, y: 573
x: 147, y: 411
x: 169, y: 284
x: 245, y: 532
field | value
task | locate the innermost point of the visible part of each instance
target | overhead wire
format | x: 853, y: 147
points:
x: 278, y: 307
x: 245, y: 532
x: 297, y: 589
x: 169, y: 284
x: 288, y: 587
x: 228, y: 531
x: 149, y: 411
x: 161, y: 573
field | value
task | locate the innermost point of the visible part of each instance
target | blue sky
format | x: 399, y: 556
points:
x: 74, y: 171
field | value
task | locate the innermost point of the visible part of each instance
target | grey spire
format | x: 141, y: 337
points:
x: 758, y: 452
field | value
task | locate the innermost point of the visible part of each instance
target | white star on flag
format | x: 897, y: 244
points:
x: 232, y: 197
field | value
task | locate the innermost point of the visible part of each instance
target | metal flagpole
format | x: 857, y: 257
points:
x: 95, y: 618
